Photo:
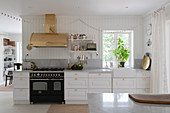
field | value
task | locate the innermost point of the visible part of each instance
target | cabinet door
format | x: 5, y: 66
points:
x: 100, y: 91
x: 21, y: 82
x: 124, y: 83
x: 76, y: 74
x: 143, y: 91
x: 122, y: 72
x: 124, y: 90
x: 76, y: 94
x: 99, y: 83
x: 21, y: 94
x: 100, y: 75
x: 21, y: 74
x: 143, y: 82
x: 143, y: 74
x: 76, y: 82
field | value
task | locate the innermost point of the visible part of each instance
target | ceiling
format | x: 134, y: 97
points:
x: 72, y: 7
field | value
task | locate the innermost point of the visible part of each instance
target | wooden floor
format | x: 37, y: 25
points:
x: 68, y: 108
x: 8, y: 88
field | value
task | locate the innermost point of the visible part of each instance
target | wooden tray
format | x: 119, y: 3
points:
x: 152, y: 98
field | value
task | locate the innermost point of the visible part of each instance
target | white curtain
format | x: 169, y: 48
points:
x: 159, y: 78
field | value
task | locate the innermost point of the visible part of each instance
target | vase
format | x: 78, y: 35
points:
x: 122, y: 64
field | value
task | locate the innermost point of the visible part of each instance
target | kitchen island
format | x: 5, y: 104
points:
x: 121, y: 103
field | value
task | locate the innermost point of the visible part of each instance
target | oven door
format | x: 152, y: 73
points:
x: 39, y: 87
x: 57, y: 89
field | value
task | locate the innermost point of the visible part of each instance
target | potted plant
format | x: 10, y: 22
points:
x: 121, y: 53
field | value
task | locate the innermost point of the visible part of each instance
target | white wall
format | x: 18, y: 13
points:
x: 101, y: 22
x: 15, y: 37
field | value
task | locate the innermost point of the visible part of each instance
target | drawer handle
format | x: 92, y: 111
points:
x: 99, y: 74
x: 21, y: 90
x: 21, y: 78
x: 75, y: 90
x: 144, y: 90
x: 75, y: 73
x: 144, y: 78
x: 144, y: 74
x: 21, y: 74
x: 123, y: 78
x: 75, y: 79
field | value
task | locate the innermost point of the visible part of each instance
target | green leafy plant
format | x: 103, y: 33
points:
x: 121, y: 51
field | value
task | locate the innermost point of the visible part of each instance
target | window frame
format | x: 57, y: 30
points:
x: 130, y: 43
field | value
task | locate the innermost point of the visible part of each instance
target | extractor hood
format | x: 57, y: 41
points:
x: 50, y: 38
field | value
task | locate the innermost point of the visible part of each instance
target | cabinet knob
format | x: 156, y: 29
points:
x: 144, y: 78
x: 75, y: 73
x: 20, y: 74
x: 123, y: 78
x: 21, y: 90
x: 75, y: 90
x: 144, y: 74
x: 99, y: 74
x: 21, y: 78
x: 75, y: 79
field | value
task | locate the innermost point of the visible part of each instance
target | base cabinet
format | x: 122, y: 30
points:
x: 76, y: 94
x: 21, y: 88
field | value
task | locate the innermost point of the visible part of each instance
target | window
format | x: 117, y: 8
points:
x: 110, y: 39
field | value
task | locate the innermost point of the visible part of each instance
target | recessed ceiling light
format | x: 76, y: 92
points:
x: 126, y: 7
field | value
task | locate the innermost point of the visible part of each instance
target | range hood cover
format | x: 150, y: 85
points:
x: 48, y: 40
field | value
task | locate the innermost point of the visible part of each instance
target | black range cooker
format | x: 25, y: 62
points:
x: 47, y: 85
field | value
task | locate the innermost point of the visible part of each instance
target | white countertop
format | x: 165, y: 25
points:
x: 89, y: 70
x: 121, y: 103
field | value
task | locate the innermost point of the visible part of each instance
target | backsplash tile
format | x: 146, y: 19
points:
x: 91, y: 63
x: 138, y: 63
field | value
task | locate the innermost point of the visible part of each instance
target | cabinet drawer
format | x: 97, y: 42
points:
x: 21, y: 94
x: 21, y: 74
x: 143, y: 91
x: 76, y: 74
x: 124, y: 83
x: 21, y: 82
x: 124, y: 90
x: 76, y: 94
x: 76, y: 82
x: 100, y: 90
x: 122, y: 72
x: 143, y: 74
x: 143, y: 82
x: 102, y: 75
x: 99, y: 83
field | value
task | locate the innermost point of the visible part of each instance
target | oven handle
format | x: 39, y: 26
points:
x: 47, y: 79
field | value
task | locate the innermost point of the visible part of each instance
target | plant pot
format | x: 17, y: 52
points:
x: 122, y: 64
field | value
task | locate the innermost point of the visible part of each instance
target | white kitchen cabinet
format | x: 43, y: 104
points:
x: 143, y: 74
x: 142, y: 91
x: 124, y: 90
x: 21, y: 82
x: 21, y: 74
x: 76, y: 94
x: 100, y: 83
x: 21, y: 87
x: 128, y: 83
x: 124, y: 72
x: 143, y: 82
x: 100, y: 90
x: 21, y: 94
x: 76, y: 74
x: 76, y: 82
x: 100, y: 75
x: 76, y: 87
